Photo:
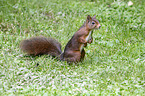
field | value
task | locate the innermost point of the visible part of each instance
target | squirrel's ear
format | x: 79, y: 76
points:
x: 94, y: 16
x: 89, y: 18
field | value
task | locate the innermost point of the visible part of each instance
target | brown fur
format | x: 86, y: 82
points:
x: 72, y: 52
x: 41, y: 45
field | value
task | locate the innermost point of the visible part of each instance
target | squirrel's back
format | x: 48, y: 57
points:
x: 41, y: 45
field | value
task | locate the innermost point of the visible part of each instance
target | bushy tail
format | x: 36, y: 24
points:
x: 41, y: 45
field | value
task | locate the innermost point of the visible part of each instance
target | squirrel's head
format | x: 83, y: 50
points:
x: 92, y: 23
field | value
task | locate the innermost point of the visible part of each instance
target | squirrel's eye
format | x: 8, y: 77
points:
x: 93, y: 23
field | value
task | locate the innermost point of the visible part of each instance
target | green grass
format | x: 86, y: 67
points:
x: 114, y: 62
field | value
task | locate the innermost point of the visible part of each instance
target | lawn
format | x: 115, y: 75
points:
x: 114, y: 63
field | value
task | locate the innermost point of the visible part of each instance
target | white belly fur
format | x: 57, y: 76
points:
x: 87, y: 39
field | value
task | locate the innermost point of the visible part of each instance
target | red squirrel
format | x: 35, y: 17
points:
x: 74, y: 50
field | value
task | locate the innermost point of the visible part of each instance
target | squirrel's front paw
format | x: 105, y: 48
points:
x: 83, y: 41
x: 90, y: 41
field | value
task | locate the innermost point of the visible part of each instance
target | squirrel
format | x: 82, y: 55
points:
x: 74, y: 49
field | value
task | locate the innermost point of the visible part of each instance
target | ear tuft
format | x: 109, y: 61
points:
x: 89, y: 18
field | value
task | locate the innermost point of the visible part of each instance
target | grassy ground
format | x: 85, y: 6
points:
x: 114, y: 62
